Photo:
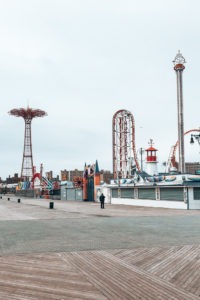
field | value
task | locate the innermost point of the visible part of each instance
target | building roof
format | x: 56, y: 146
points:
x: 151, y: 149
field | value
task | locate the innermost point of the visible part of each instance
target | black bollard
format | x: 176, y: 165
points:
x: 18, y: 200
x: 51, y: 205
x: 8, y: 199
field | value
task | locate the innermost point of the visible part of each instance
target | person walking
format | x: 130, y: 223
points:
x: 102, y: 200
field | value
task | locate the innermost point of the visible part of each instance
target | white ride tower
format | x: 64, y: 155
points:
x: 179, y: 62
x: 124, y: 154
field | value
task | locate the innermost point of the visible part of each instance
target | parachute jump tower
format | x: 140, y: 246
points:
x: 27, y: 114
x: 124, y: 153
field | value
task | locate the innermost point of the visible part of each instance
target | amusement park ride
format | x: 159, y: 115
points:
x: 124, y: 150
x: 125, y: 161
x: 28, y: 115
x: 172, y: 162
x: 28, y: 171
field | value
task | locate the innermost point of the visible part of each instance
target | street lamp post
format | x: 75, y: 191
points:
x: 141, y: 151
x: 196, y: 137
x: 192, y: 140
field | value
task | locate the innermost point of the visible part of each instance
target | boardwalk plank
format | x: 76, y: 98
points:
x: 118, y: 280
x: 43, y: 281
x: 146, y: 274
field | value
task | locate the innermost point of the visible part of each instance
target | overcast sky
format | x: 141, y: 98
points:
x: 83, y: 60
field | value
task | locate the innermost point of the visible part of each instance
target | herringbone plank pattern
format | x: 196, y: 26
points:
x: 143, y: 273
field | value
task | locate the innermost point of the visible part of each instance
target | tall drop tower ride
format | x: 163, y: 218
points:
x: 27, y: 114
x: 179, y: 62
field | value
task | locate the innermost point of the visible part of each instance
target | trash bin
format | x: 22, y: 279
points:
x: 51, y: 205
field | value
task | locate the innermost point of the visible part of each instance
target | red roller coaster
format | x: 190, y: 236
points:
x: 172, y: 157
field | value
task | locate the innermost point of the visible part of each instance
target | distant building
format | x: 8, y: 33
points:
x: 14, y: 179
x: 106, y: 176
x: 68, y: 175
x: 49, y: 175
x: 192, y: 167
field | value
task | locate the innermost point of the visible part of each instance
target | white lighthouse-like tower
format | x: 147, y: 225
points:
x: 151, y: 159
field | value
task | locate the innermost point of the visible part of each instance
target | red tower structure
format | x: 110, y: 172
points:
x: 124, y: 152
x: 27, y: 114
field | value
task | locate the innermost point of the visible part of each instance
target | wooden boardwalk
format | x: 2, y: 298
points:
x: 41, y: 257
x: 143, y: 273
